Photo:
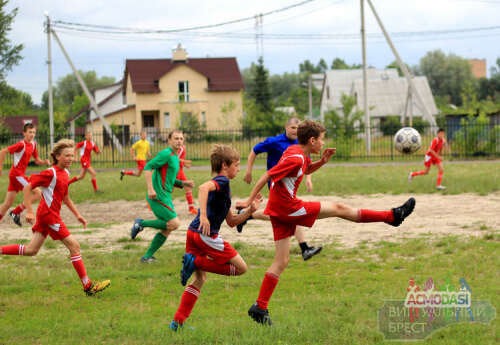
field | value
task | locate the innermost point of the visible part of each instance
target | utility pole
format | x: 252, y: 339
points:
x: 49, y: 64
x: 310, y: 97
x: 365, y: 84
x: 411, y: 84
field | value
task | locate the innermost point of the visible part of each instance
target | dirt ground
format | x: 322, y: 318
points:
x: 435, y: 215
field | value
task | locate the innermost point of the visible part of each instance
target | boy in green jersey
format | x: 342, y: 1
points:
x: 160, y: 174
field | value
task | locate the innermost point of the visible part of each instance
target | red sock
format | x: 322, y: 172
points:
x: 77, y: 262
x: 20, y: 208
x: 440, y: 177
x: 189, y: 198
x: 188, y: 299
x: 128, y: 173
x: 211, y: 266
x: 94, y: 183
x: 370, y: 216
x: 416, y: 173
x: 74, y: 179
x: 13, y: 249
x: 266, y: 289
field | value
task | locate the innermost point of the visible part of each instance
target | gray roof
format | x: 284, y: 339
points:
x: 389, y: 97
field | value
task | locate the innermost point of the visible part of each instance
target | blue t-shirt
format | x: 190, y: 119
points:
x: 274, y: 146
x: 218, y: 205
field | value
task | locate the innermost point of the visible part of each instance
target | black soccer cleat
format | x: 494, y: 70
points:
x: 122, y: 173
x: 403, y: 211
x: 240, y: 226
x: 16, y: 218
x: 259, y: 315
x: 310, y: 252
x: 136, y: 228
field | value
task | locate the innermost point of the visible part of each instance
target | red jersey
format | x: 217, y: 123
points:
x: 54, y: 185
x: 181, y: 153
x: 436, y: 145
x: 22, y: 152
x: 86, y: 147
x: 285, y: 180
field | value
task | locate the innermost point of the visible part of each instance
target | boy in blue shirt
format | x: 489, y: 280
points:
x: 275, y: 146
x: 206, y: 251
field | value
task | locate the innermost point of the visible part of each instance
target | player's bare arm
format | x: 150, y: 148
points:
x: 234, y: 219
x: 69, y: 203
x: 3, y: 152
x: 187, y: 162
x: 28, y: 199
x: 309, y: 184
x: 188, y: 183
x: 255, y: 192
x: 325, y: 157
x: 203, y: 191
x: 132, y: 153
x: 435, y: 154
x: 38, y: 161
x: 148, y: 175
x: 251, y: 160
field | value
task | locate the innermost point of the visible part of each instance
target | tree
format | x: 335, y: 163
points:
x: 339, y: 63
x: 395, y: 65
x: 261, y: 91
x: 446, y: 74
x: 9, y: 53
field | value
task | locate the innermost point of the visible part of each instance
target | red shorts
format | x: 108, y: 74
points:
x: 17, y: 183
x: 429, y: 160
x: 213, y: 246
x: 284, y: 225
x: 57, y: 231
x: 85, y: 163
x: 141, y: 164
x: 181, y: 176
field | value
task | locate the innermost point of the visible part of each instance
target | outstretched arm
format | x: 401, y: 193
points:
x: 67, y: 200
x: 251, y: 160
x: 203, y: 191
x: 28, y: 196
x: 255, y: 192
x: 325, y: 157
x: 3, y: 152
x: 234, y: 219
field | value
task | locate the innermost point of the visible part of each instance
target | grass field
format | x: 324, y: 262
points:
x: 331, y: 299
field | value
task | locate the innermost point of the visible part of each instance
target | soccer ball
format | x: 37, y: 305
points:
x: 407, y: 140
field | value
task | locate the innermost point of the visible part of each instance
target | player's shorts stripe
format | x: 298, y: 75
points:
x: 302, y: 211
x: 22, y: 180
x: 158, y: 201
x: 215, y: 243
x: 55, y: 227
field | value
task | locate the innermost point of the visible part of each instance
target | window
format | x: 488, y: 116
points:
x: 183, y: 93
x: 166, y: 119
x: 148, y: 120
x: 203, y: 118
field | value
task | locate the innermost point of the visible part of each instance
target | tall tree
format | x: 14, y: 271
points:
x: 262, y: 91
x: 339, y: 63
x: 9, y: 53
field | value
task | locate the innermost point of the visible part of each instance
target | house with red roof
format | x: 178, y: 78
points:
x: 157, y: 94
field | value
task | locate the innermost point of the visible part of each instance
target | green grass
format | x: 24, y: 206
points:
x: 481, y: 178
x: 331, y: 299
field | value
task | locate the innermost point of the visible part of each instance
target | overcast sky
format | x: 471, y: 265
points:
x: 106, y: 54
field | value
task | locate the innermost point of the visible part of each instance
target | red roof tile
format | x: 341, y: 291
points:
x: 16, y: 123
x: 223, y: 73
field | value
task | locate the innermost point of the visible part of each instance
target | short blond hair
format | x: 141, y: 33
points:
x: 222, y: 154
x: 59, y: 147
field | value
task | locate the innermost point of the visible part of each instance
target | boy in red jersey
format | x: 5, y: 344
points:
x: 183, y: 162
x: 54, y: 185
x: 86, y: 147
x: 22, y: 152
x: 287, y: 211
x: 206, y: 251
x: 433, y: 157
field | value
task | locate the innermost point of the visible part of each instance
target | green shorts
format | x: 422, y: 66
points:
x: 162, y: 209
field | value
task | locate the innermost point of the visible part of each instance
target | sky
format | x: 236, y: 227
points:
x: 106, y: 53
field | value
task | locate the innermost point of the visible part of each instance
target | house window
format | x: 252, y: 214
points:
x: 183, y: 93
x: 166, y: 119
x: 328, y: 92
x: 148, y: 121
x: 203, y: 118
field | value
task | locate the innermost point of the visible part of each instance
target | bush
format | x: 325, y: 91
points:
x: 476, y: 137
x: 390, y: 125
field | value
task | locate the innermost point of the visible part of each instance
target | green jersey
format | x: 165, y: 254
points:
x: 165, y: 167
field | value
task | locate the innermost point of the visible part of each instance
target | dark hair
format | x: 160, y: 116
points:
x: 27, y: 126
x: 172, y: 133
x: 59, y: 146
x: 309, y: 129
x: 222, y: 154
x: 440, y: 130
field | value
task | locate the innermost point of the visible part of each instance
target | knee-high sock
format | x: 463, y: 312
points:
x: 94, y: 183
x: 440, y: 178
x: 155, y: 223
x: 19, y: 209
x: 157, y: 242
x: 77, y: 262
x: 266, y: 289
x: 13, y: 249
x: 188, y: 300
x: 370, y: 216
x: 416, y: 173
x: 189, y: 199
x: 211, y: 266
x: 74, y: 179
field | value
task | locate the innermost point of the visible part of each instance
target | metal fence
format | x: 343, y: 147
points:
x: 465, y: 142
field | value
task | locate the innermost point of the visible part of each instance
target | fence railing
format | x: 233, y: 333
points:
x: 470, y: 141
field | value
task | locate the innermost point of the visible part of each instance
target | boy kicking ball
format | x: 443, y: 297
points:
x: 287, y: 211
x: 206, y: 251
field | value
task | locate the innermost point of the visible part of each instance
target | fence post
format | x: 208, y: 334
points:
x: 113, y: 152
